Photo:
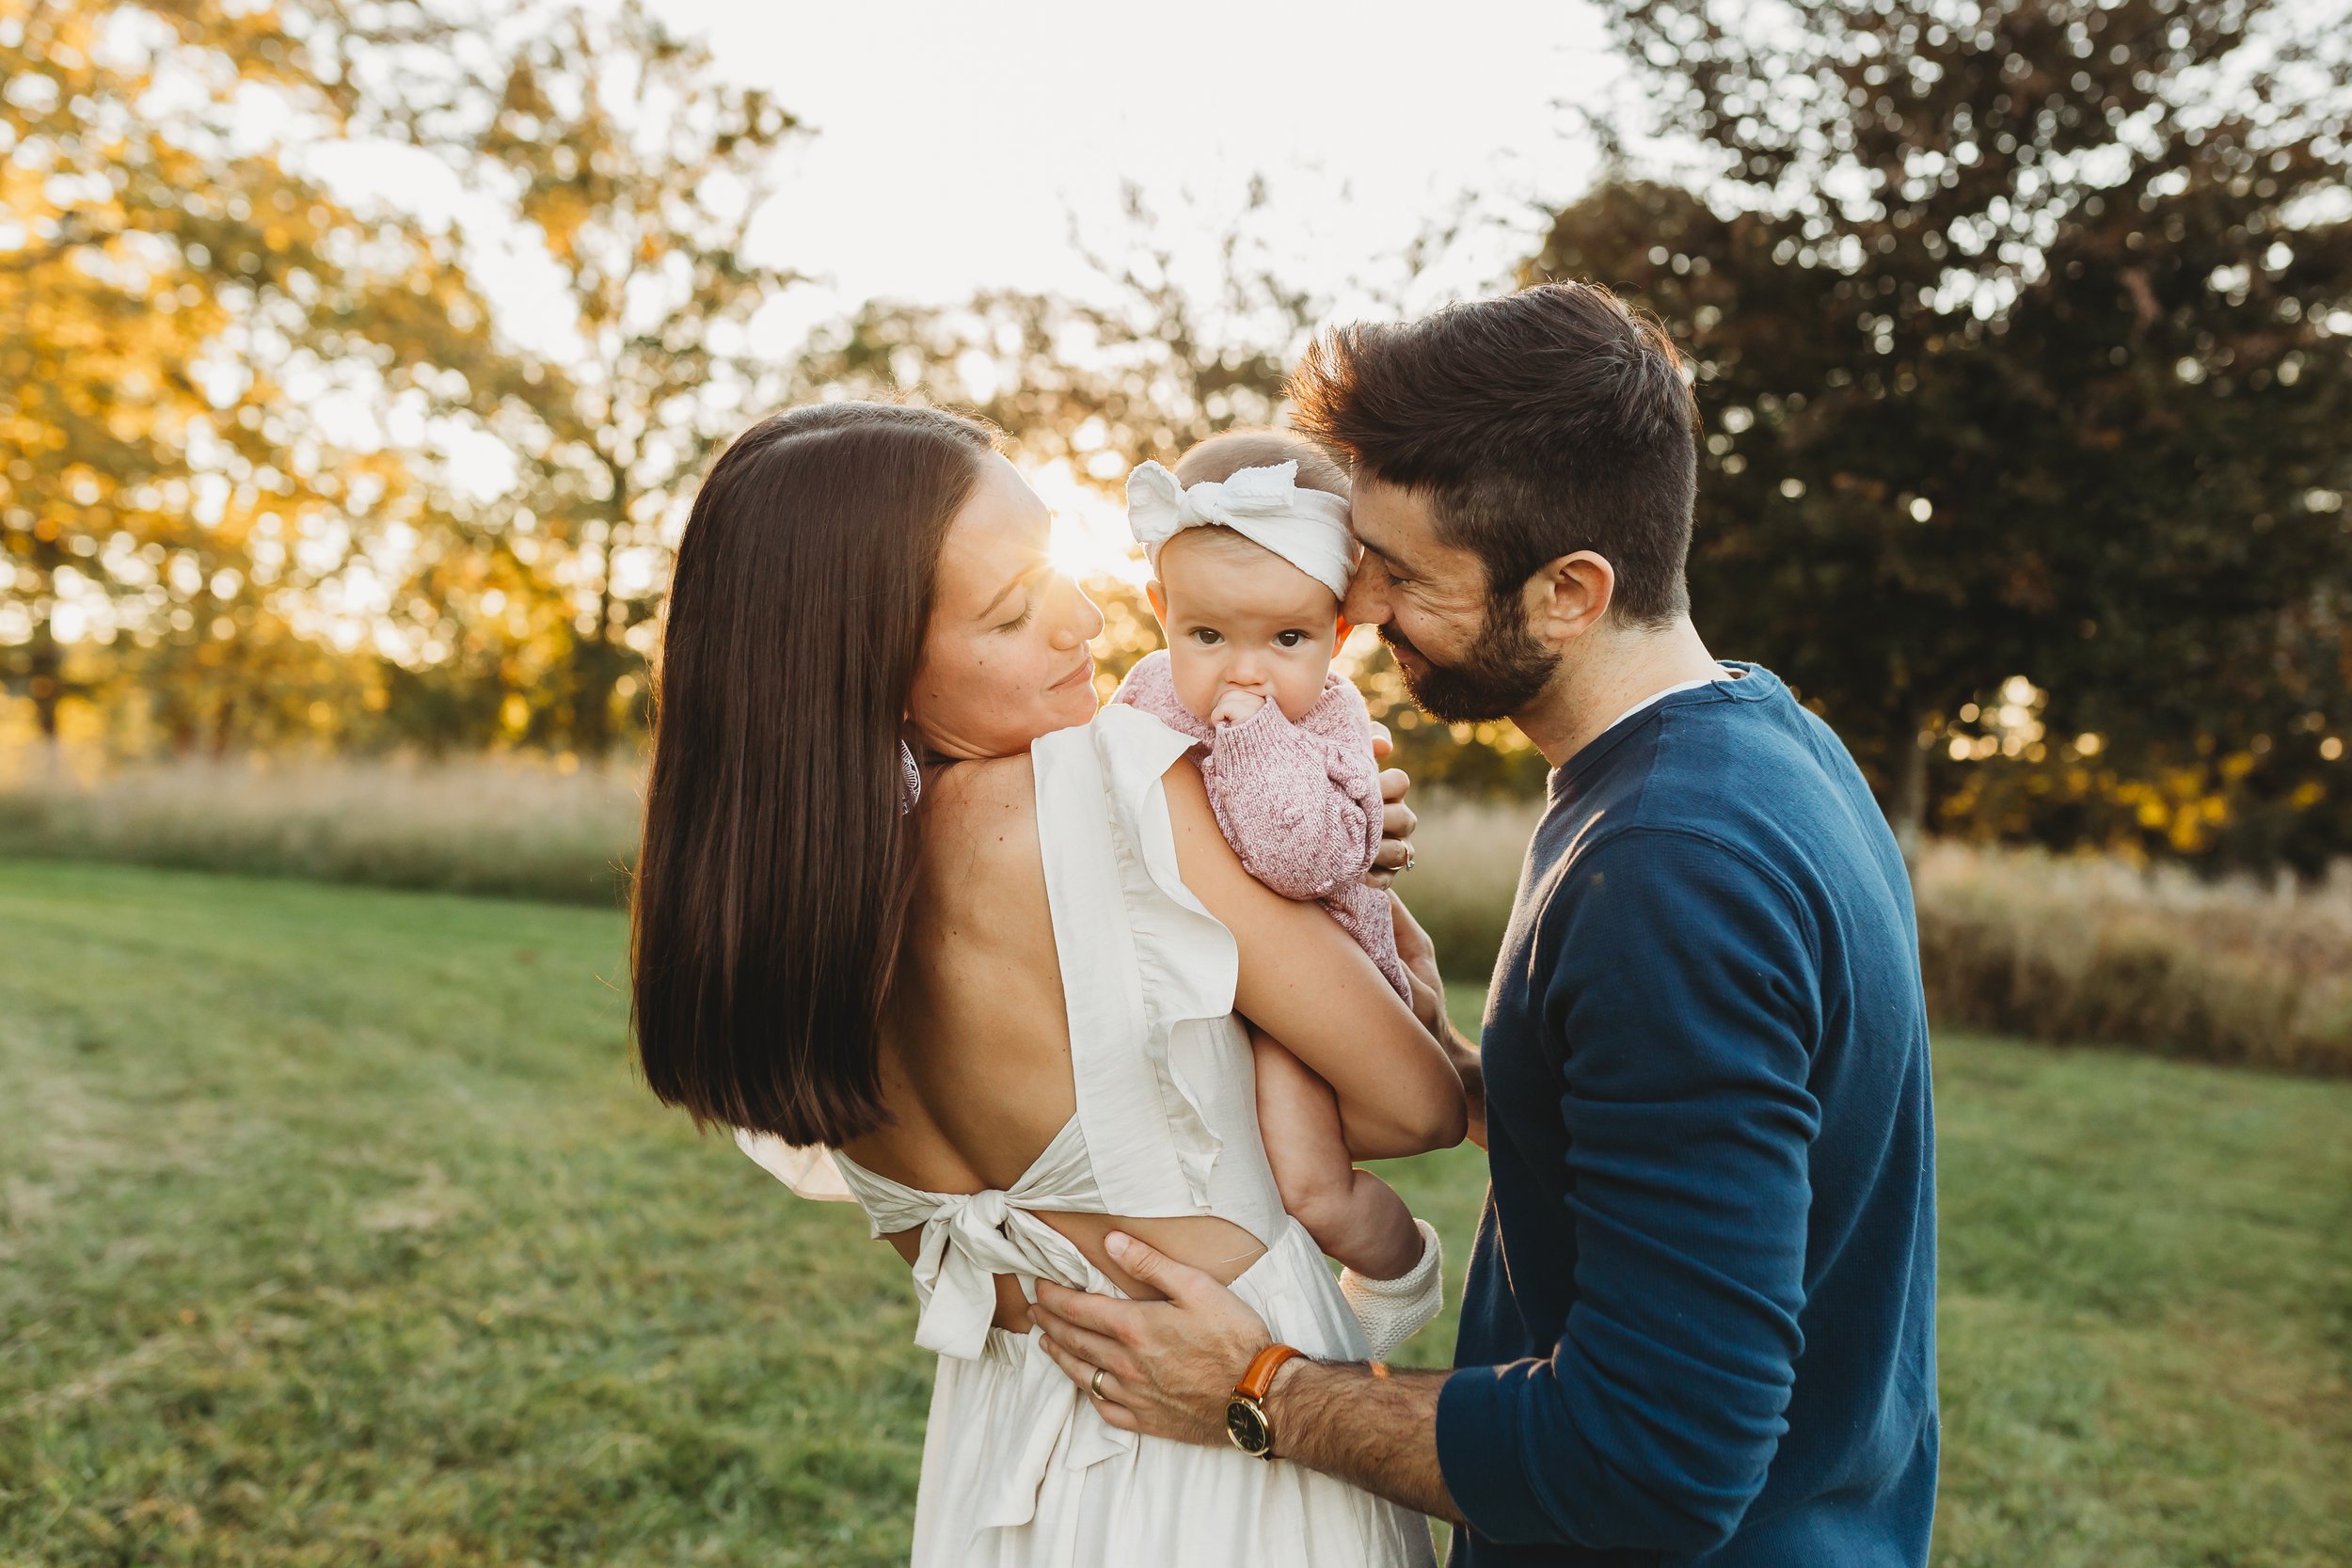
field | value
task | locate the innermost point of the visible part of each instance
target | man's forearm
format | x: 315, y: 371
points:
x: 1371, y: 1427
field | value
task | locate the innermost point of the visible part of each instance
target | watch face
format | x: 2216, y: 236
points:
x: 1244, y: 1423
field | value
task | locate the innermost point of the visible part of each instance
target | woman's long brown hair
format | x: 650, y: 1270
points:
x: 771, y: 886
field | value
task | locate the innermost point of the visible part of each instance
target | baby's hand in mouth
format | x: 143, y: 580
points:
x: 1234, y: 706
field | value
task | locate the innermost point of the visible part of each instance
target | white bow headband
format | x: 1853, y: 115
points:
x: 1306, y: 527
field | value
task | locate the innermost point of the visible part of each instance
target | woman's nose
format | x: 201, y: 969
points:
x: 1076, y: 620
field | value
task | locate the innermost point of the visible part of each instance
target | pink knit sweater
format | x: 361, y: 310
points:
x: 1299, y: 804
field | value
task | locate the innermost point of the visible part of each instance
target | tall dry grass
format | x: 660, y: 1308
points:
x: 2071, y: 949
x: 515, y: 826
x: 2064, y: 949
x: 2048, y: 949
x: 1466, y: 870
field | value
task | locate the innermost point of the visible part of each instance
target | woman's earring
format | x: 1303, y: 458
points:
x: 910, y: 779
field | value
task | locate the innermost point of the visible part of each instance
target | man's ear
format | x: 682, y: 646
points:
x: 1158, y: 595
x: 1570, y: 595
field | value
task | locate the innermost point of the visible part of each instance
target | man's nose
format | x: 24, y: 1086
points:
x: 1367, y: 601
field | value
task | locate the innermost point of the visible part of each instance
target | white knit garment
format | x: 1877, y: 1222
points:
x: 1394, y: 1310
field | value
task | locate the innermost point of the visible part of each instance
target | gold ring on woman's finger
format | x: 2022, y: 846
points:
x: 1094, y: 1384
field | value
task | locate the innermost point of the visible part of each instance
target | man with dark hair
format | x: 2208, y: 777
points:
x: 1700, y: 1317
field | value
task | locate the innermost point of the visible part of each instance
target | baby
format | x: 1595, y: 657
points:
x: 1250, y: 557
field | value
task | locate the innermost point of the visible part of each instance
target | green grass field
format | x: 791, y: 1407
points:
x: 334, y: 1230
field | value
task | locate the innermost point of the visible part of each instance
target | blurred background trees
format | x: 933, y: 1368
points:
x: 1150, y: 364
x: 638, y: 171
x: 192, y: 336
x: 2021, y: 342
x: 2020, y: 336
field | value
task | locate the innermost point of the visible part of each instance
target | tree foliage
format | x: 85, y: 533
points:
x: 2020, y: 335
x: 180, y: 313
x: 1147, y: 368
x: 246, y: 424
x: 641, y: 172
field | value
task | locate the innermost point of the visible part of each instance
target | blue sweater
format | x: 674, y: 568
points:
x: 1700, y: 1324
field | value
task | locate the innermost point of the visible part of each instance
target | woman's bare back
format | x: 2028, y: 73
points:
x: 975, y: 1064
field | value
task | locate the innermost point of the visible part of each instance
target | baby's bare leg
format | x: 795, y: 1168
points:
x: 1353, y: 1215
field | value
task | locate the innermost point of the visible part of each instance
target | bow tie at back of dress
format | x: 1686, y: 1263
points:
x: 967, y: 1239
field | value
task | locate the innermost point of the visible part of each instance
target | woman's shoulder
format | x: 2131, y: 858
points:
x: 981, y: 807
x: 993, y: 805
x: 978, y: 782
x: 1118, y: 754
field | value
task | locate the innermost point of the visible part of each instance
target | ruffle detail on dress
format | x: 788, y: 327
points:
x: 1187, y: 962
x: 806, y: 1168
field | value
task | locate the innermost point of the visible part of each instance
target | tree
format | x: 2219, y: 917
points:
x: 1165, y: 353
x: 174, y: 313
x: 2019, y: 343
x: 1146, y: 369
x: 641, y: 173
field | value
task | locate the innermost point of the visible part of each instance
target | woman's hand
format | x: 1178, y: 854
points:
x: 1397, y: 820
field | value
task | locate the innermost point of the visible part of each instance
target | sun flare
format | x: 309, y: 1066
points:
x: 1091, y: 539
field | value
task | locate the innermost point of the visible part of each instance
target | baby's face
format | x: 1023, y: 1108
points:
x: 1240, y: 618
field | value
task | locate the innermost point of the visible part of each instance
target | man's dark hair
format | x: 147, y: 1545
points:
x: 1548, y: 421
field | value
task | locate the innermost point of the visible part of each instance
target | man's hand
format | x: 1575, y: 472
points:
x: 1234, y: 706
x: 1421, y: 966
x: 1397, y: 820
x: 1167, y: 1367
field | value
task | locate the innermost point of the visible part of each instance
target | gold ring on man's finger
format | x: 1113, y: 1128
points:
x: 1094, y: 1384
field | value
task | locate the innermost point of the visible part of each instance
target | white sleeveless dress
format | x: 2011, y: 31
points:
x: 1019, y: 1471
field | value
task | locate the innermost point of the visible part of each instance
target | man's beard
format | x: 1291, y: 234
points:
x: 1506, y: 667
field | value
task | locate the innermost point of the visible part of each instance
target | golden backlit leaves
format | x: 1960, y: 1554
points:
x: 178, y: 308
x: 164, y: 293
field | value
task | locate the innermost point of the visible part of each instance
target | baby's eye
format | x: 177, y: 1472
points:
x: 1208, y: 637
x: 1289, y: 639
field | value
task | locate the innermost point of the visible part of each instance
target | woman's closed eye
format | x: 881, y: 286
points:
x: 1029, y: 608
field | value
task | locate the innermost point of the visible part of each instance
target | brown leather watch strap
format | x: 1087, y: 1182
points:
x: 1260, y: 1377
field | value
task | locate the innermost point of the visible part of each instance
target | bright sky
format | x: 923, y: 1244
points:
x: 954, y: 146
x: 956, y: 140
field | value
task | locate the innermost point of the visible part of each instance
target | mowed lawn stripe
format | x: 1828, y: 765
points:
x: 335, y: 1225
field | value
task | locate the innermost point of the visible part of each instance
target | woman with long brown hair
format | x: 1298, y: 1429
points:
x: 905, y: 896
